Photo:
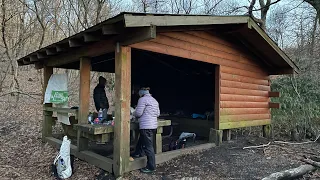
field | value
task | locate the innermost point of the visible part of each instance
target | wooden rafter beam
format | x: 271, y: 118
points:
x: 51, y: 51
x: 61, y: 47
x: 94, y: 49
x: 20, y: 63
x: 90, y: 37
x: 75, y: 42
x: 41, y: 55
x: 138, y: 35
x: 33, y: 58
x: 39, y: 65
x: 110, y: 30
x: 26, y: 60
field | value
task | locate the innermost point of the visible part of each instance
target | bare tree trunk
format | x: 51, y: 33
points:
x: 85, y: 5
x: 264, y: 9
x: 313, y: 34
x: 40, y: 20
x: 99, y: 8
x: 316, y: 5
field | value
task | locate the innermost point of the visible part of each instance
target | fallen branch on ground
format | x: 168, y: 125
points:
x: 313, y: 158
x: 263, y: 145
x: 311, y: 162
x: 283, y: 142
x: 291, y: 173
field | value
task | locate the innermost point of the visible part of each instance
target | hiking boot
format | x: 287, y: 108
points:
x: 146, y: 170
x: 136, y: 155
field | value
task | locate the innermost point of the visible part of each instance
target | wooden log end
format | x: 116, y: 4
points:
x: 274, y: 94
x: 274, y: 105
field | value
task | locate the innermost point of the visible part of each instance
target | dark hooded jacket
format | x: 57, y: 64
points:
x: 100, y: 98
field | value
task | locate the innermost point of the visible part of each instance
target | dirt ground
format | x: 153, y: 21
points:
x: 231, y: 161
x: 23, y: 156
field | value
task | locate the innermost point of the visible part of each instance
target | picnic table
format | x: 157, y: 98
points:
x: 103, y: 133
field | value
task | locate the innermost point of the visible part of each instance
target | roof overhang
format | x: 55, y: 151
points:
x: 130, y: 28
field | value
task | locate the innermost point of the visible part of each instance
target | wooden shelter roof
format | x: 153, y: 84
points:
x: 129, y: 28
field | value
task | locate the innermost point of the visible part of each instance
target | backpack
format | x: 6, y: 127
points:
x: 62, y: 166
x: 182, y: 141
x: 177, y: 144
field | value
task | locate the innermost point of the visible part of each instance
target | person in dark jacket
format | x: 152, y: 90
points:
x: 99, y: 95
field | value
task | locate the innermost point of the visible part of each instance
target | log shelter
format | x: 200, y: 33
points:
x: 233, y: 51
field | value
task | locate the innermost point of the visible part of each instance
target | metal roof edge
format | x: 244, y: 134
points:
x: 141, y: 20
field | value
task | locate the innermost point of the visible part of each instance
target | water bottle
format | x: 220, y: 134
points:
x: 100, y: 115
x: 90, y: 118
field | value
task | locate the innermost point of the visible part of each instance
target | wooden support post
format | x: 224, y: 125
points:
x: 215, y: 136
x: 217, y: 81
x: 47, y: 121
x: 266, y: 131
x: 84, y: 99
x: 227, y: 134
x: 122, y: 110
x: 84, y: 95
x: 158, y: 141
x: 82, y: 143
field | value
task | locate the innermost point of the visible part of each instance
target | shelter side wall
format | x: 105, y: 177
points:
x: 244, y: 93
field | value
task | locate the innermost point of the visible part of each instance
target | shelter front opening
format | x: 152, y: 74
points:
x: 184, y: 89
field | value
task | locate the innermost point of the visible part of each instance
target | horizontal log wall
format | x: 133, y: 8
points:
x: 244, y: 93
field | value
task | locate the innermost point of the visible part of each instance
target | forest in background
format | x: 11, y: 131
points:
x: 27, y: 25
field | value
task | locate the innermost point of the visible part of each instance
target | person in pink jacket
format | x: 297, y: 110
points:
x: 147, y: 111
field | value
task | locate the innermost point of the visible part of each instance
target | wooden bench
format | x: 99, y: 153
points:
x: 103, y: 133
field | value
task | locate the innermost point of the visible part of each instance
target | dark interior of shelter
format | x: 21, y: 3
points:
x: 184, y: 89
x: 181, y: 86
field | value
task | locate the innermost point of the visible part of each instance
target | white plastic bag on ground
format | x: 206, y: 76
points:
x: 62, y: 160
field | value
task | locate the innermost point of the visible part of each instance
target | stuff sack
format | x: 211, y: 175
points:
x: 61, y: 167
x: 182, y: 141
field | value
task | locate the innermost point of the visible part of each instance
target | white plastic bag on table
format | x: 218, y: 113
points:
x: 57, y: 82
x: 62, y: 160
x: 132, y: 118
